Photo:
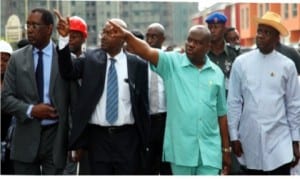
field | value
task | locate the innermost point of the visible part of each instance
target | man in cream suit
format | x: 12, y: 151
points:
x: 38, y: 97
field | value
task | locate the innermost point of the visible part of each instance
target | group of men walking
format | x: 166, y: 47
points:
x: 137, y: 109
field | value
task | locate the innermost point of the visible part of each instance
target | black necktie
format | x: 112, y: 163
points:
x: 39, y: 76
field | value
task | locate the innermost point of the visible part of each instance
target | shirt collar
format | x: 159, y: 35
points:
x: 47, y: 50
x: 186, y: 62
x: 117, y: 57
x: 226, y: 50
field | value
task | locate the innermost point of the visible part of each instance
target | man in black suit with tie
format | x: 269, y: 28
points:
x: 111, y: 117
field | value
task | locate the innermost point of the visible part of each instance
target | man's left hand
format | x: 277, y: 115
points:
x: 296, y: 153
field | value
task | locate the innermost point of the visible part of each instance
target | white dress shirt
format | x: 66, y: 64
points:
x: 161, y: 93
x: 264, y: 108
x: 125, y: 115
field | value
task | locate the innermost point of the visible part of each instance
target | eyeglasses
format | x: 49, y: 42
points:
x: 34, y: 26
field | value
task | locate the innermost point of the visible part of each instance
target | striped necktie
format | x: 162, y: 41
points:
x: 112, y: 94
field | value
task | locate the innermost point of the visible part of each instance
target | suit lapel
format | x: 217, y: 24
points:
x: 29, y: 67
x: 99, y: 74
x: 54, y: 71
x: 131, y: 66
x: 131, y: 69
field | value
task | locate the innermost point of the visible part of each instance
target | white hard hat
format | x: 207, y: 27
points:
x: 5, y: 47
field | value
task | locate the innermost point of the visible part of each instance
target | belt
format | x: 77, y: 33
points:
x: 158, y: 116
x: 112, y: 129
x: 46, y: 127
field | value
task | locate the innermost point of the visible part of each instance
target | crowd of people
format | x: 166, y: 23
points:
x: 130, y: 107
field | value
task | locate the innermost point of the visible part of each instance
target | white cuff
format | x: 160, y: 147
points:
x: 28, y: 112
x: 62, y: 42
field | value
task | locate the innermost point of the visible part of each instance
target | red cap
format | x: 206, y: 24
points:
x: 78, y: 24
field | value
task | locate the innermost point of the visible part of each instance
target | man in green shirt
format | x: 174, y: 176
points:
x: 196, y: 135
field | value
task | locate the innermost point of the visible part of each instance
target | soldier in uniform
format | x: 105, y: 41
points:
x: 223, y: 55
x: 220, y: 52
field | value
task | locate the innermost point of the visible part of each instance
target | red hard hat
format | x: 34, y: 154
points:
x: 78, y: 24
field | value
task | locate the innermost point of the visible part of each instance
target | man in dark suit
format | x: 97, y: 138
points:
x: 114, y: 135
x: 36, y: 95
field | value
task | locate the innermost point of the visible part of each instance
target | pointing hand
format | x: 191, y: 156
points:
x: 62, y: 24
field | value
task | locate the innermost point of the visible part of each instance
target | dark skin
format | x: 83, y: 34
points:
x: 233, y: 37
x: 109, y: 44
x: 197, y: 45
x: 155, y: 36
x: 217, y: 37
x: 75, y: 42
x: 4, y: 61
x: 266, y: 40
x: 39, y: 37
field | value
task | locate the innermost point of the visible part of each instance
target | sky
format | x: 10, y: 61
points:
x: 204, y: 4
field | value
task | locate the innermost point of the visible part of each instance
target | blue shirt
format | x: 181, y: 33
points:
x: 47, y: 64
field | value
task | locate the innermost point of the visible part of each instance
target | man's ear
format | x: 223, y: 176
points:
x: 50, y: 29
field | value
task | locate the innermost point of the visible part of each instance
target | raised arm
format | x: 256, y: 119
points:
x: 140, y: 47
x: 67, y: 69
x: 63, y: 24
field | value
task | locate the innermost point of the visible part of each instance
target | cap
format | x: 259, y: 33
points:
x: 78, y: 24
x: 216, y: 18
x: 5, y: 47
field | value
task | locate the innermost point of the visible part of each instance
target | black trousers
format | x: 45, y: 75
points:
x: 156, y: 166
x: 113, y: 150
x: 282, y: 170
x: 6, y: 164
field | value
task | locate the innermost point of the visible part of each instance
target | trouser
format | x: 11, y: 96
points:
x: 113, y: 150
x: 282, y: 170
x: 156, y: 166
x: 43, y: 164
x: 78, y: 168
x: 200, y: 169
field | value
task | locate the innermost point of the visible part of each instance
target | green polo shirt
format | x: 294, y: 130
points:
x: 195, y: 99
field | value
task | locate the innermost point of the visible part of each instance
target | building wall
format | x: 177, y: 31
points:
x: 292, y: 21
x: 245, y: 14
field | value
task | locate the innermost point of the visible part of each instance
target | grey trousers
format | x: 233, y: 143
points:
x: 43, y: 164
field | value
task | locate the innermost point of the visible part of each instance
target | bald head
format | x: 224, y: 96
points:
x: 203, y: 30
x: 197, y: 44
x: 158, y: 27
x: 120, y: 22
x: 155, y: 35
